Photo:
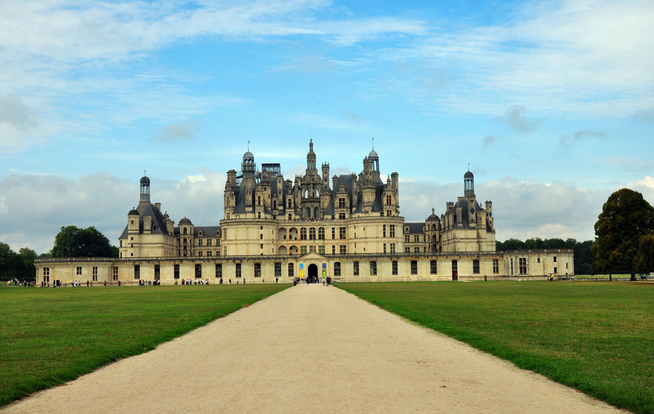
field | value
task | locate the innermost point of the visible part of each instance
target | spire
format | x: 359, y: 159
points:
x: 311, y: 157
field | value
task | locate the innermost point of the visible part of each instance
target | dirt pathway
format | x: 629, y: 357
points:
x: 311, y: 349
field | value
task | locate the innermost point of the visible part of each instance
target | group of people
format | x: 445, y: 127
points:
x: 155, y: 282
x: 188, y: 282
x: 326, y: 281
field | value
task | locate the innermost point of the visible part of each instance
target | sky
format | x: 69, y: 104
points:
x: 549, y: 103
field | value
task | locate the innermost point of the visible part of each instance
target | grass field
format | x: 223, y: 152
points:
x: 50, y: 336
x: 595, y: 337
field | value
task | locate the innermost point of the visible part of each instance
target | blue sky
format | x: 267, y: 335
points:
x: 550, y: 103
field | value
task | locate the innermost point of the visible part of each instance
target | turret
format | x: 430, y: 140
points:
x: 144, y: 200
x: 248, y: 166
x: 469, y: 184
x: 325, y: 173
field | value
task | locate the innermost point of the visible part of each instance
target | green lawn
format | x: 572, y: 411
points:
x: 595, y: 337
x: 50, y: 336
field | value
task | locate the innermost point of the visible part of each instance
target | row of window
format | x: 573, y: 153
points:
x: 433, y: 269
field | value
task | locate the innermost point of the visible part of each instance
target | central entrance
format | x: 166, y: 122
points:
x: 313, y: 272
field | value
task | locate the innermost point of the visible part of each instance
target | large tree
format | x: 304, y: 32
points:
x: 72, y: 241
x: 625, y: 218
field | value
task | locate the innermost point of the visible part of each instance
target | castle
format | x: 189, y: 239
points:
x: 347, y: 227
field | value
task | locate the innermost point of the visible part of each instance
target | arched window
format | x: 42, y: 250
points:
x: 312, y: 233
x: 185, y: 230
x: 303, y: 233
x: 308, y: 213
x: 321, y: 233
x: 316, y: 212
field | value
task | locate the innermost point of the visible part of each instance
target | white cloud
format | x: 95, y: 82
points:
x: 589, y: 58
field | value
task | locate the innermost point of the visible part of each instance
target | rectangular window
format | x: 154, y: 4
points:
x: 312, y: 248
x: 416, y: 249
x: 475, y: 266
x: 433, y: 267
x: 341, y: 216
x: 209, y: 243
x: 556, y: 270
x: 394, y: 267
x: 303, y: 249
x: 209, y: 254
x: 198, y: 271
x: 511, y: 266
x: 343, y: 249
x: 95, y: 273
x: 392, y: 247
x: 337, y: 268
x: 416, y: 238
x: 321, y: 233
x: 496, y: 266
x: 342, y: 233
x: 392, y: 230
x: 554, y: 259
x: 373, y: 268
x: 414, y: 267
x: 79, y: 270
x: 406, y: 238
x: 355, y: 268
x: 137, y: 272
x: 200, y: 253
x: 157, y: 272
x: 321, y: 249
x: 200, y: 242
x: 257, y: 270
x: 407, y: 250
x: 333, y: 233
x: 46, y: 274
x: 522, y: 262
x: 384, y: 230
x: 114, y: 273
x: 219, y: 270
x: 384, y: 247
x: 278, y: 269
x: 238, y: 270
x: 291, y: 270
x: 333, y: 249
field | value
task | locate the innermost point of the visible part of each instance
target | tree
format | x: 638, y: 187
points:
x: 625, y: 218
x: 26, y: 259
x: 16, y: 265
x: 645, y: 256
x: 72, y: 241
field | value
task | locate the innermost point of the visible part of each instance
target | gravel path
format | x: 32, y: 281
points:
x: 311, y: 349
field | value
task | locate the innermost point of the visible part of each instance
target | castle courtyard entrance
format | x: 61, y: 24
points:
x: 312, y: 273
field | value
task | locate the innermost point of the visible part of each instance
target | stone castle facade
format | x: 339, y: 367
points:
x: 347, y: 227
